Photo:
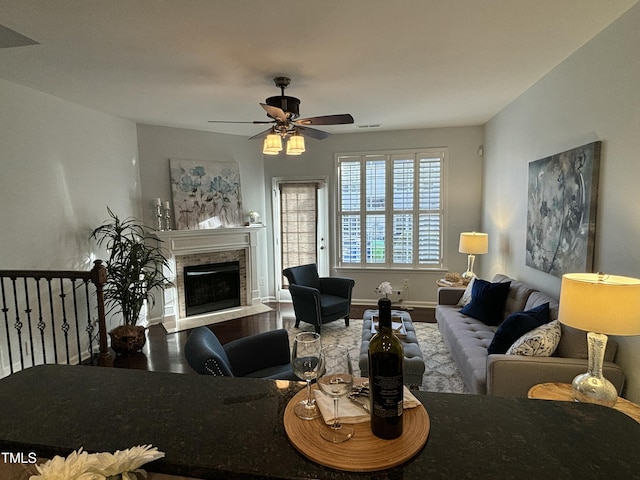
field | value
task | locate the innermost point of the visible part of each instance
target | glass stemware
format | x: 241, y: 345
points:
x: 306, y: 362
x: 336, y: 381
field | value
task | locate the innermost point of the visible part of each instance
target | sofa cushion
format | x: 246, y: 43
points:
x: 516, y: 325
x: 519, y: 293
x: 538, y: 298
x: 467, y: 340
x: 539, y: 342
x: 573, y: 344
x: 487, y: 301
x: 517, y: 299
x: 333, y: 305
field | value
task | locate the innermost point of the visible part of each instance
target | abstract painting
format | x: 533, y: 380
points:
x: 205, y: 194
x: 561, y: 212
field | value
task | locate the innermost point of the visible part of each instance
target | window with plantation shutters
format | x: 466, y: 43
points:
x: 299, y: 222
x: 390, y: 209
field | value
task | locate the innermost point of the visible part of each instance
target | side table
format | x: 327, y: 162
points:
x: 442, y: 283
x: 563, y: 392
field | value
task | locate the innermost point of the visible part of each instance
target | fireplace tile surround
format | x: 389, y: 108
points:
x: 195, y: 247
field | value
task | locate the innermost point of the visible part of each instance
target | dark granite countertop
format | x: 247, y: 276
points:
x: 228, y: 428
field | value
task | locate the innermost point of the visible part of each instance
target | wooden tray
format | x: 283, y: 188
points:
x: 364, y: 452
x: 397, y: 324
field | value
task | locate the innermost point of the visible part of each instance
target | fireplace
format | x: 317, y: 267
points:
x: 200, y: 248
x: 211, y: 287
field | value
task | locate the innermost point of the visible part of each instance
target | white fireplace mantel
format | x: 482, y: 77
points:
x: 176, y: 243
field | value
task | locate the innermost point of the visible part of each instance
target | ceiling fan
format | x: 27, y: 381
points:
x: 284, y: 112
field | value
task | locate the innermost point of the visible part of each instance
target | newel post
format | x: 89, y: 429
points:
x: 99, y: 279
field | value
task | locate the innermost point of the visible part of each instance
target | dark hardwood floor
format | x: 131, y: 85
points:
x: 163, y: 351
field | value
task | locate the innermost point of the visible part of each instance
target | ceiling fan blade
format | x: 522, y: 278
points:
x: 261, y: 134
x: 340, y: 119
x: 313, y: 133
x: 255, y: 122
x: 275, y: 112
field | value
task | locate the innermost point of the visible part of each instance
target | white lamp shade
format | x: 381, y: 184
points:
x: 272, y: 144
x: 474, y: 243
x: 595, y: 302
x: 295, y: 145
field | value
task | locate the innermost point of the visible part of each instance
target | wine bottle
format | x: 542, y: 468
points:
x: 386, y: 358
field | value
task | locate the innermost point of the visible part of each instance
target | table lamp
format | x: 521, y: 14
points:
x: 602, y: 305
x: 473, y: 243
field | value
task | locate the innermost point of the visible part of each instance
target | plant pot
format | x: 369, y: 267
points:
x: 127, y: 339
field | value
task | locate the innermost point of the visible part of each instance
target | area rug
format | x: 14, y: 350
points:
x: 441, y: 373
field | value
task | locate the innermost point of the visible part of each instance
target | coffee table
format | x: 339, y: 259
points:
x: 413, y: 360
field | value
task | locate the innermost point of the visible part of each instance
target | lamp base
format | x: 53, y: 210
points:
x: 592, y: 387
x: 468, y: 275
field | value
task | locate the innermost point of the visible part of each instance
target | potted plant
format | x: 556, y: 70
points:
x: 135, y: 269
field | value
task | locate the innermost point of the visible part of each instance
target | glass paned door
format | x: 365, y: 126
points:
x: 300, y: 222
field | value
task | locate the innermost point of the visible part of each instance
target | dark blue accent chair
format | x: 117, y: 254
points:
x: 318, y: 300
x: 263, y: 355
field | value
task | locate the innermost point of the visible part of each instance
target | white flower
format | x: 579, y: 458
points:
x: 385, y: 288
x: 80, y: 465
x: 74, y: 467
x: 126, y: 461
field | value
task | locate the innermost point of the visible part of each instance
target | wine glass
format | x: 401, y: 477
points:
x: 336, y: 381
x: 306, y: 362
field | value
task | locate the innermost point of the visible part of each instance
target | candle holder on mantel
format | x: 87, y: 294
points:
x: 159, y: 217
x: 167, y: 216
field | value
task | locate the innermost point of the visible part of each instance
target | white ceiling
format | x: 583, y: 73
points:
x: 401, y: 64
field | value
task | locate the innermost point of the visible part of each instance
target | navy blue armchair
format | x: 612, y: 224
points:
x: 318, y: 300
x: 263, y: 355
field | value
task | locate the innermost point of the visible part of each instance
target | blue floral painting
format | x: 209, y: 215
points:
x: 561, y: 213
x: 205, y: 194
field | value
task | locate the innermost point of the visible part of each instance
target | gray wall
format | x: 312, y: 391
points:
x: 592, y: 95
x: 62, y: 165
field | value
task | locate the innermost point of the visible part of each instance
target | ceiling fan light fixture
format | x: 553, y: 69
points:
x: 295, y: 145
x: 272, y: 144
x: 283, y: 112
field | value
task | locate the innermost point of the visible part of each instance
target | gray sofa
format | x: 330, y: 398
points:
x: 512, y: 375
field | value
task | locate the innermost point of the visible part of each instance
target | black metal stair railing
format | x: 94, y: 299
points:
x: 52, y: 316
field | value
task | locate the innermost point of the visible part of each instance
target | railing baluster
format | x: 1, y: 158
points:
x: 77, y: 320
x: 5, y: 311
x: 18, y: 325
x: 53, y: 322
x: 89, y: 329
x: 65, y: 322
x: 41, y: 323
x: 27, y: 310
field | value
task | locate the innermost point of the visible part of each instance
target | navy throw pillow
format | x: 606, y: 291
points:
x: 487, y: 301
x: 516, y: 325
